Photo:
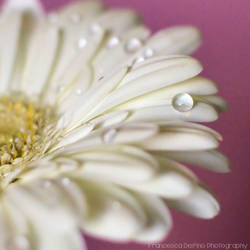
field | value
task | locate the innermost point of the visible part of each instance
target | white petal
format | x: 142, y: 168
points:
x: 91, y: 99
x: 195, y: 86
x: 119, y: 54
x: 201, y: 203
x: 48, y: 195
x: 211, y: 160
x: 75, y: 55
x: 201, y: 112
x: 117, y: 165
x: 176, y: 40
x: 54, y: 223
x: 149, y: 78
x: 191, y: 126
x: 74, y: 136
x: 106, y: 120
x: 177, y: 137
x: 23, y: 5
x: 115, y: 118
x: 159, y: 220
x: 40, y: 58
x: 126, y: 134
x: 78, y: 46
x: 219, y: 103
x: 77, y: 12
x: 114, y: 213
x: 16, y: 33
x: 14, y: 228
x: 40, y: 169
x: 71, y: 93
x: 171, y: 181
x: 18, y: 20
x: 4, y: 229
x: 10, y: 32
x: 162, y: 66
x: 118, y: 21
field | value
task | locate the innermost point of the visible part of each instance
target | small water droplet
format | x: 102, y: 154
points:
x: 79, y: 92
x: 66, y: 181
x: 133, y: 45
x: 109, y: 135
x: 90, y: 126
x: 183, y: 102
x: 113, y: 42
x: 139, y: 60
x: 82, y: 42
x: 95, y: 28
x: 76, y: 18
x: 148, y: 53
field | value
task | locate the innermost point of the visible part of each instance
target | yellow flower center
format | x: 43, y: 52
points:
x: 23, y: 125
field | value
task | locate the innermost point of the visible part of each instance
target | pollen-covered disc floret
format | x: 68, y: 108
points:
x: 23, y: 124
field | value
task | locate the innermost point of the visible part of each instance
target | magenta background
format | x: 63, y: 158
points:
x: 225, y: 54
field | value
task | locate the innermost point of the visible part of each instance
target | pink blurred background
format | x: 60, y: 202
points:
x: 225, y: 54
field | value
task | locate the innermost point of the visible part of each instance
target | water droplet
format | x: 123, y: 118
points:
x: 113, y: 42
x: 139, y: 60
x: 109, y: 135
x: 89, y: 126
x: 95, y: 28
x: 82, y: 42
x: 76, y: 18
x: 79, y: 92
x: 148, y: 53
x: 66, y: 181
x: 183, y: 102
x: 133, y: 45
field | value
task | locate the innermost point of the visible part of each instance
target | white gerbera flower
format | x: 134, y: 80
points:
x: 96, y: 124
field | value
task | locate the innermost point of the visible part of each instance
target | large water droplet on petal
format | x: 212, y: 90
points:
x: 183, y: 102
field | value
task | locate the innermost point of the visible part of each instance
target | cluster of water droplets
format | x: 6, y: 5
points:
x: 182, y: 102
